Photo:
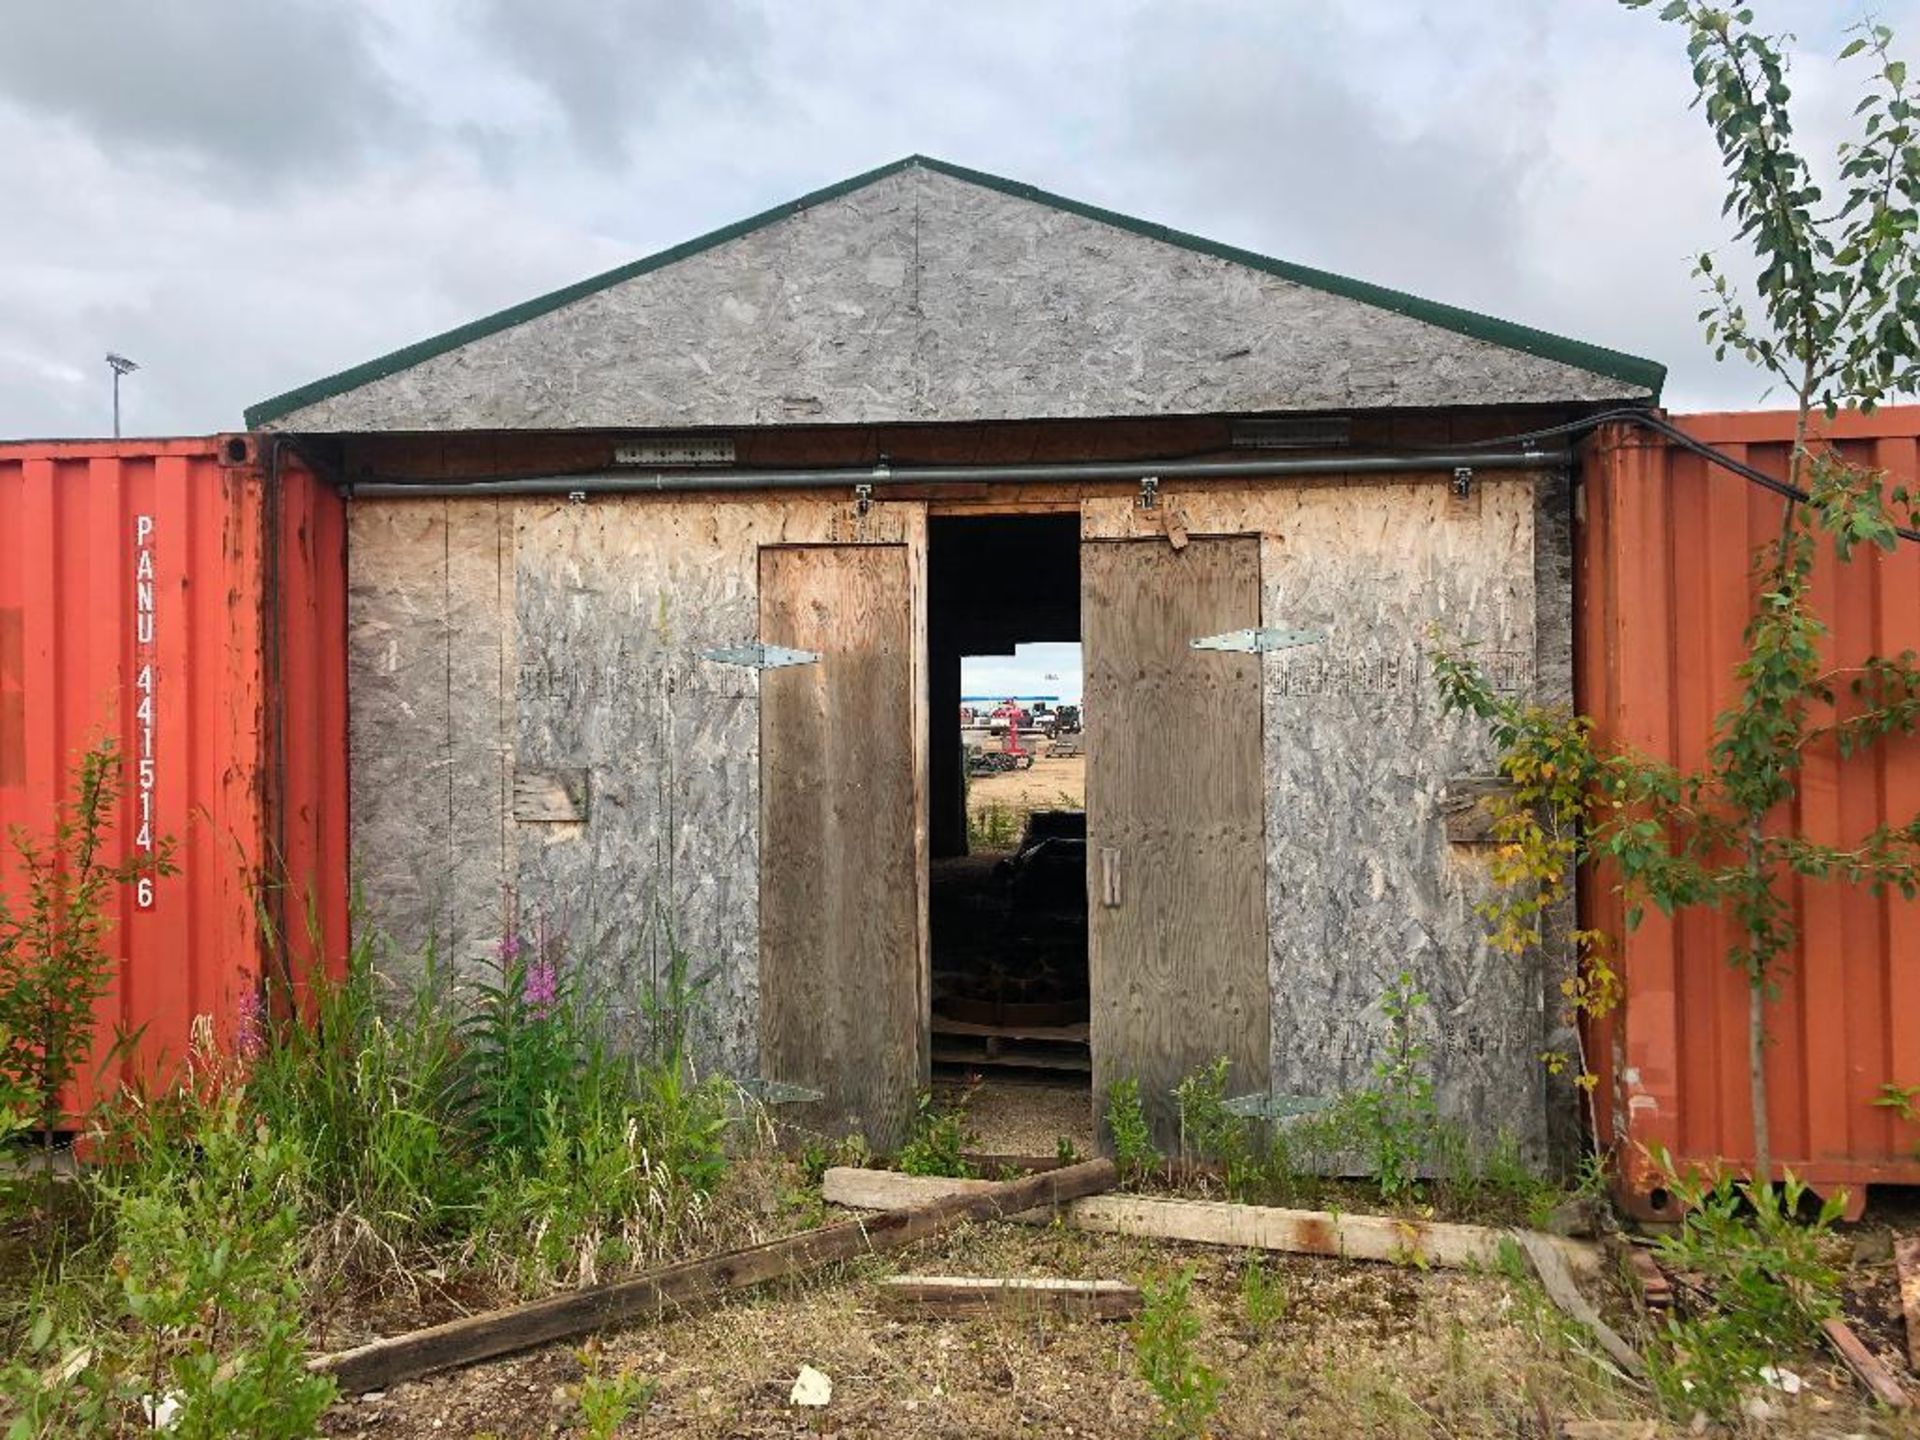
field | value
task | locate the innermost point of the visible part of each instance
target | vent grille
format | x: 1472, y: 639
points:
x: 681, y: 450
x: 1309, y: 432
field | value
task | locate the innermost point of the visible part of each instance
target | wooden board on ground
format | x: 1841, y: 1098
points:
x: 1550, y: 1264
x: 697, y: 1282
x: 840, y: 984
x: 1214, y: 1222
x: 963, y: 1295
x: 1865, y: 1364
x: 1906, y: 1262
x: 1176, y: 817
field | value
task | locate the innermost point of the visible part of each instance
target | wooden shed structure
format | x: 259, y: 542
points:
x: 583, y: 533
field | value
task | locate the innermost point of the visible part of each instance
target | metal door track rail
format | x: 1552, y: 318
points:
x: 1457, y: 467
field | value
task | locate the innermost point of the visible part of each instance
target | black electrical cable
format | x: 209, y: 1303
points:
x: 1650, y: 420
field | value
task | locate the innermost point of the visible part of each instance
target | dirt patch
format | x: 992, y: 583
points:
x: 1052, y: 784
x: 1357, y: 1350
x: 1013, y: 1117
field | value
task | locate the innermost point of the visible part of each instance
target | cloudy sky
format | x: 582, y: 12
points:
x: 245, y: 196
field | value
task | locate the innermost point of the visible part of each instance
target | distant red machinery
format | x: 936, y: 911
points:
x: 1015, y: 717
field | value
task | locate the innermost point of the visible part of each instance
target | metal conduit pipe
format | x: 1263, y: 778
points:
x: 880, y: 477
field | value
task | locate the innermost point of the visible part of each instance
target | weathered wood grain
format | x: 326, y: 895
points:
x: 1210, y: 1222
x: 1361, y: 882
x: 1906, y: 1260
x: 1177, y: 948
x: 1550, y: 1264
x: 947, y: 1295
x: 1865, y: 1365
x: 840, y: 971
x: 696, y: 1282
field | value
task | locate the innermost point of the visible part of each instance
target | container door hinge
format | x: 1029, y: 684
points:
x: 1259, y: 641
x: 1272, y: 1105
x: 779, y: 1092
x: 760, y: 657
x: 862, y: 498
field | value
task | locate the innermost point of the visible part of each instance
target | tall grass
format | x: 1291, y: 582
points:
x: 372, y: 1092
x: 492, y: 1123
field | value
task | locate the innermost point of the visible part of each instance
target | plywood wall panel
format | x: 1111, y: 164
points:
x: 1362, y: 883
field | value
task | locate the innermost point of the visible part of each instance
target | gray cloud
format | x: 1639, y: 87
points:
x: 263, y: 89
x: 245, y: 196
x: 609, y: 69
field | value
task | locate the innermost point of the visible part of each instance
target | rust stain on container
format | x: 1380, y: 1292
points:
x: 184, y: 599
x: 1664, y: 588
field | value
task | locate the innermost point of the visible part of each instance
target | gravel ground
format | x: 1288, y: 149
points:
x: 1014, y: 1117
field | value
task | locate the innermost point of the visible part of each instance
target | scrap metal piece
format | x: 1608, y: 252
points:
x: 1258, y: 641
x: 760, y: 657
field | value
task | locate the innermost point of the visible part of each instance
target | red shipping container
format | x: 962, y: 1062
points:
x: 1664, y: 591
x: 185, y: 599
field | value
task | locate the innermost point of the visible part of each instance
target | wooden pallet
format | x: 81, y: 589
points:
x: 1032, y: 1047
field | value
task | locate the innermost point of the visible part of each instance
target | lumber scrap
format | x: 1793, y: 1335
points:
x: 967, y: 1294
x: 1865, y: 1364
x: 1906, y: 1264
x: 685, y: 1286
x: 1214, y: 1222
x: 1643, y: 1274
x: 1551, y: 1266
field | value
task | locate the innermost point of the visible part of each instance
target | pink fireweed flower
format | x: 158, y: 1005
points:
x: 541, y: 986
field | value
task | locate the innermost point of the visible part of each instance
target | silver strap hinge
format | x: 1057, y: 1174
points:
x: 1258, y: 641
x: 760, y: 657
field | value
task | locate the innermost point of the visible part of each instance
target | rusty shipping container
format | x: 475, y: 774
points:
x: 185, y: 600
x: 1665, y: 577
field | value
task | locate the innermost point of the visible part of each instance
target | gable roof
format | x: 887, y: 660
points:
x: 1630, y: 376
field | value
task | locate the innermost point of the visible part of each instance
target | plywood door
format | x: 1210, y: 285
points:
x: 840, y: 993
x: 1177, y: 958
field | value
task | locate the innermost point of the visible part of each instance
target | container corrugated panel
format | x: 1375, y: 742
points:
x: 1666, y: 553
x: 174, y: 598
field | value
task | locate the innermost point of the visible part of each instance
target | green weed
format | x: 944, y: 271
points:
x: 937, y: 1140
x: 992, y: 828
x: 607, y: 1401
x: 1263, y: 1295
x: 1168, y: 1360
x: 1397, y: 1114
x: 1766, y: 1288
x: 195, y: 1323
x: 1133, y: 1148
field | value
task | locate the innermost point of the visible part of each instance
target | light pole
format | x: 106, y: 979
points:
x: 121, y: 366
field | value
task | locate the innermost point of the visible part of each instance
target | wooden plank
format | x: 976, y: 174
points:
x: 1551, y: 1266
x: 1209, y: 1222
x: 1176, y: 803
x: 1865, y: 1365
x: 1068, y: 1034
x: 1906, y: 1261
x: 840, y: 976
x: 969, y: 1295
x: 681, y: 1287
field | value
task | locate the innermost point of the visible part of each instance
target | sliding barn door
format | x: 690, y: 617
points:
x: 840, y: 966
x: 1176, y: 854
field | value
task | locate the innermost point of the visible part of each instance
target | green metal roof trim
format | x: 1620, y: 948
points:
x: 1595, y: 359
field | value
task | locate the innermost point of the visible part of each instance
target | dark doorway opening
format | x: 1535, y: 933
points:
x: 1007, y: 810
